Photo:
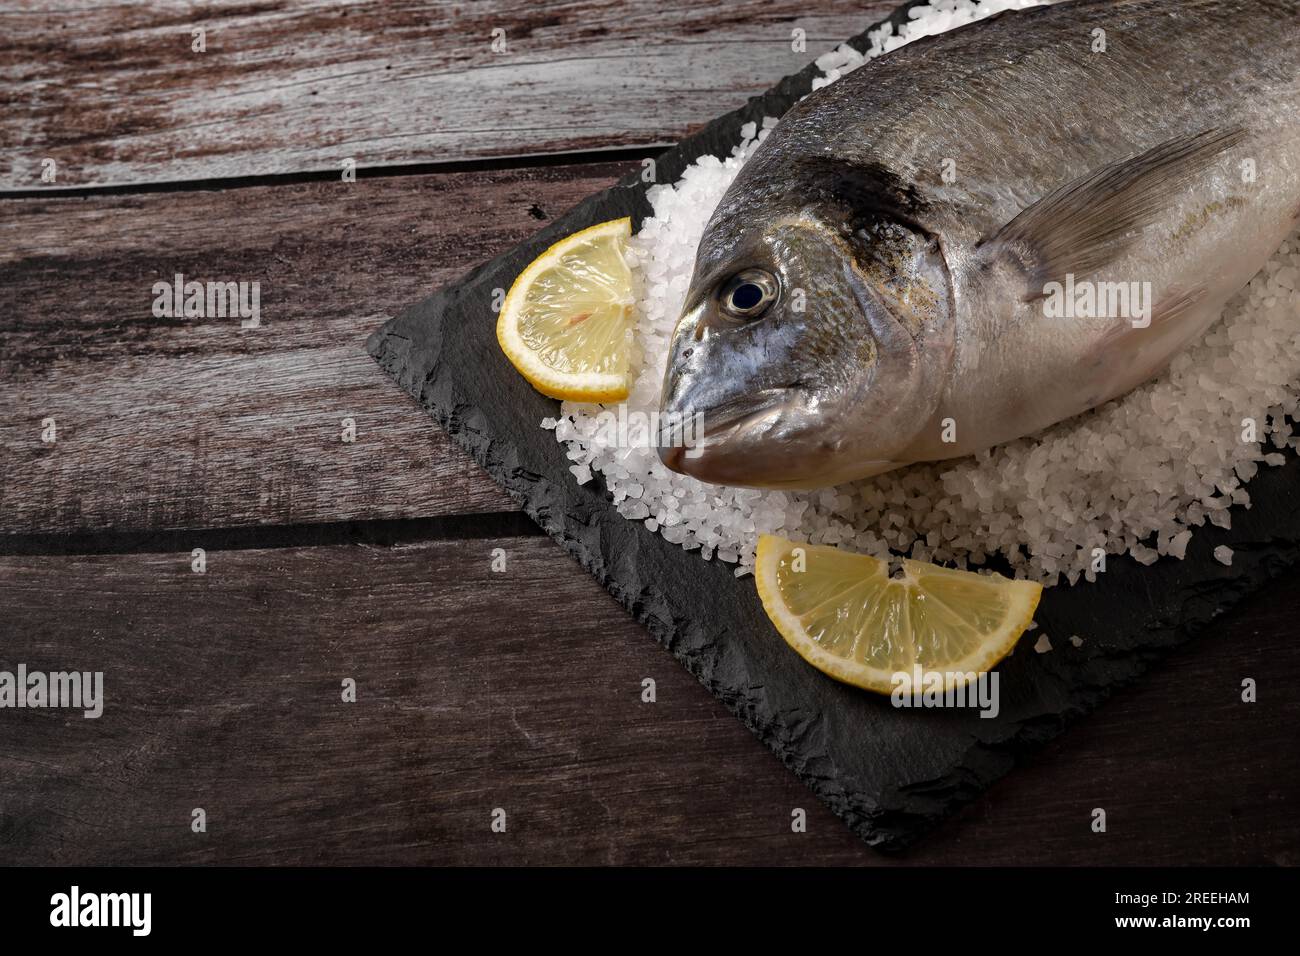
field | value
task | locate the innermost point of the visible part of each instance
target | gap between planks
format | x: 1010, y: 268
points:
x: 377, y: 533
x: 487, y: 165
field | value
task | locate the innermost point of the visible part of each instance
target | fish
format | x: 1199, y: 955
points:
x: 984, y: 233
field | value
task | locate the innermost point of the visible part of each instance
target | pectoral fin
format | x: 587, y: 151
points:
x: 1086, y: 224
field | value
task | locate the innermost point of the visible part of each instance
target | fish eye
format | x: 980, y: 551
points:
x: 748, y: 293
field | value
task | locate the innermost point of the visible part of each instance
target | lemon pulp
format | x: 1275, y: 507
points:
x: 847, y: 616
x: 566, y: 323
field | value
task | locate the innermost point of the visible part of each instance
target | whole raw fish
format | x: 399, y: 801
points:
x: 986, y: 232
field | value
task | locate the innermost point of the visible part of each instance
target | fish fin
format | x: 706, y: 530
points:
x: 1176, y: 305
x: 1164, y: 313
x: 1137, y: 350
x: 1087, y: 223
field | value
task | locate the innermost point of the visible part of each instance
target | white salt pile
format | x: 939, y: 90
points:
x: 926, y: 20
x: 1135, y: 476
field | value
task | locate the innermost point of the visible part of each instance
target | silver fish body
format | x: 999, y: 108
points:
x: 903, y: 271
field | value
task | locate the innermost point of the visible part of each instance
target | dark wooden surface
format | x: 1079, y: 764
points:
x: 115, y: 94
x: 372, y: 560
x: 185, y: 423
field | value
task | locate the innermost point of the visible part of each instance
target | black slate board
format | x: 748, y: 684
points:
x: 889, y: 773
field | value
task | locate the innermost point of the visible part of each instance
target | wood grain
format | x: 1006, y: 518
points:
x: 179, y: 423
x: 115, y: 94
x: 223, y: 691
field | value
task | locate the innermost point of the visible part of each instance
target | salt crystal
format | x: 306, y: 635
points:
x: 1178, y: 544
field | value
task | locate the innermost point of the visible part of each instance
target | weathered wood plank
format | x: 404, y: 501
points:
x: 113, y: 93
x: 176, y: 423
x: 223, y: 691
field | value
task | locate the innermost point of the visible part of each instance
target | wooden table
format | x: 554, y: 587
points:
x: 371, y: 560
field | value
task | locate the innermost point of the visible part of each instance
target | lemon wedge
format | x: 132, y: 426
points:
x: 566, y: 323
x: 845, y: 614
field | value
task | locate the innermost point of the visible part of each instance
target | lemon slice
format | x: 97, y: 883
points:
x: 849, y: 618
x: 566, y: 322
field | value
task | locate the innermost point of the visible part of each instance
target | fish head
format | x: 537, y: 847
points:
x: 810, y: 349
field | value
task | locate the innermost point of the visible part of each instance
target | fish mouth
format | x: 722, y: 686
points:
x: 746, y: 450
x: 725, y: 453
x: 677, y: 456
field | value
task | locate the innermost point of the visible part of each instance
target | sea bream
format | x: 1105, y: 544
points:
x: 986, y: 232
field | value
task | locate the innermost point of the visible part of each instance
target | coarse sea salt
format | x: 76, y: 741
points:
x: 1135, y: 476
x: 924, y: 20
